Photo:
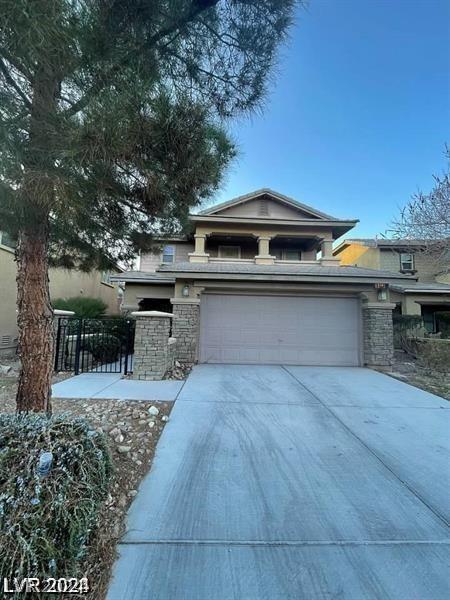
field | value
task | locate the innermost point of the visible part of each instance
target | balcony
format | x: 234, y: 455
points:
x: 268, y: 250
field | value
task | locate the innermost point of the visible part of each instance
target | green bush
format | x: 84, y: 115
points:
x: 45, y: 522
x: 82, y: 306
x: 103, y: 347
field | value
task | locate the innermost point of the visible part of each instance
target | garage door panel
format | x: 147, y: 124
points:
x: 277, y: 330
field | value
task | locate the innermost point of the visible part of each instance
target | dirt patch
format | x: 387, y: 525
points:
x: 133, y: 429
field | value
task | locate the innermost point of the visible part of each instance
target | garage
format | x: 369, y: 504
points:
x: 295, y: 330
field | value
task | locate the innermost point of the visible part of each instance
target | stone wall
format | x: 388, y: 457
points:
x: 378, y: 334
x: 185, y: 328
x: 153, y: 349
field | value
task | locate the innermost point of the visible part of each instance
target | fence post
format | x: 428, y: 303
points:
x: 78, y: 347
x: 60, y: 332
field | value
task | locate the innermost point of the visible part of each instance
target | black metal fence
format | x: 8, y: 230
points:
x: 94, y: 345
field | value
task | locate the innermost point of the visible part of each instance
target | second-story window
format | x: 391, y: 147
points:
x: 229, y: 252
x: 287, y: 254
x: 168, y: 254
x: 406, y: 261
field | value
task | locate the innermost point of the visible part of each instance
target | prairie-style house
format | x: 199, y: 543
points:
x: 257, y: 282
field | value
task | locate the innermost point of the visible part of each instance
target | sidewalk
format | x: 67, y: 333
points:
x: 111, y: 386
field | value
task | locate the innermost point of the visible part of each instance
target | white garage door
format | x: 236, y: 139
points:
x: 279, y: 330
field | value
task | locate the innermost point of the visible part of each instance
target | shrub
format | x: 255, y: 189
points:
x: 434, y: 354
x: 82, y: 306
x: 45, y: 522
x: 443, y: 321
x: 406, y: 328
x: 104, y: 347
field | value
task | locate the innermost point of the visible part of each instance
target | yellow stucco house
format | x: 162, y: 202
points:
x: 427, y: 296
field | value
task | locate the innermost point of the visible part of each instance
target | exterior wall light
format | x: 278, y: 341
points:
x: 185, y: 291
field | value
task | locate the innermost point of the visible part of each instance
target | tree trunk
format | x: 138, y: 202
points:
x: 35, y: 315
x: 35, y: 321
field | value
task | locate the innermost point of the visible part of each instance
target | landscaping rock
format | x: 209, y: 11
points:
x: 153, y: 411
x: 123, y: 449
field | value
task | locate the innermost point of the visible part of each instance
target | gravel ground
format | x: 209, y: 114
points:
x: 133, y: 430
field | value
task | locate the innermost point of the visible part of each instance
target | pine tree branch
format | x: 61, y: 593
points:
x: 14, y: 61
x: 13, y: 84
x: 197, y: 7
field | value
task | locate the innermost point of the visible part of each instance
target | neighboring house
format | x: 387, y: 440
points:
x: 63, y: 284
x: 257, y: 282
x: 431, y: 293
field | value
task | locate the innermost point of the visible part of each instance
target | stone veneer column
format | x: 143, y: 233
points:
x: 186, y: 328
x: 378, y: 333
x: 153, y: 352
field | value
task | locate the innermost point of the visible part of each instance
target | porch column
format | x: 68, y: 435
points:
x: 199, y: 254
x: 264, y: 257
x: 186, y: 328
x: 328, y: 259
x: 378, y: 333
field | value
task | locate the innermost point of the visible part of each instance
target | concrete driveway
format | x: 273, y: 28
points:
x: 293, y: 483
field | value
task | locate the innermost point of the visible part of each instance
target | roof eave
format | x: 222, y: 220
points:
x: 349, y: 223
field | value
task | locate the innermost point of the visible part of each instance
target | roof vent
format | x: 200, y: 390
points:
x: 263, y: 208
x: 5, y: 340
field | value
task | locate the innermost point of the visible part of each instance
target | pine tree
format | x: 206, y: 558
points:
x: 112, y: 126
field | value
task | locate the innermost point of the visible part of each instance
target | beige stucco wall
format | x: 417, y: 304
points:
x: 67, y: 284
x: 411, y: 303
x: 197, y: 287
x: 269, y: 230
x: 63, y: 284
x: 8, y: 326
x: 135, y: 292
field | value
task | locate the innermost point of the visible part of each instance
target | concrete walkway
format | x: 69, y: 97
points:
x: 293, y: 483
x: 112, y: 386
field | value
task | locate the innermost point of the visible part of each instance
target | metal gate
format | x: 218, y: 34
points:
x: 102, y: 345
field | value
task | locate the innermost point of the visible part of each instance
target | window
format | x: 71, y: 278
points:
x: 286, y: 254
x: 229, y: 252
x: 7, y: 240
x: 406, y: 261
x: 168, y: 254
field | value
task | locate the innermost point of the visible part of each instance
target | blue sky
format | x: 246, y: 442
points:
x: 359, y: 112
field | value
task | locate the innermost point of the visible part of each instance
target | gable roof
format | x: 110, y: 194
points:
x: 286, y: 200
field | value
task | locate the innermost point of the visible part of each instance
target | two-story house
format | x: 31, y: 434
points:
x: 257, y: 282
x: 431, y: 293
